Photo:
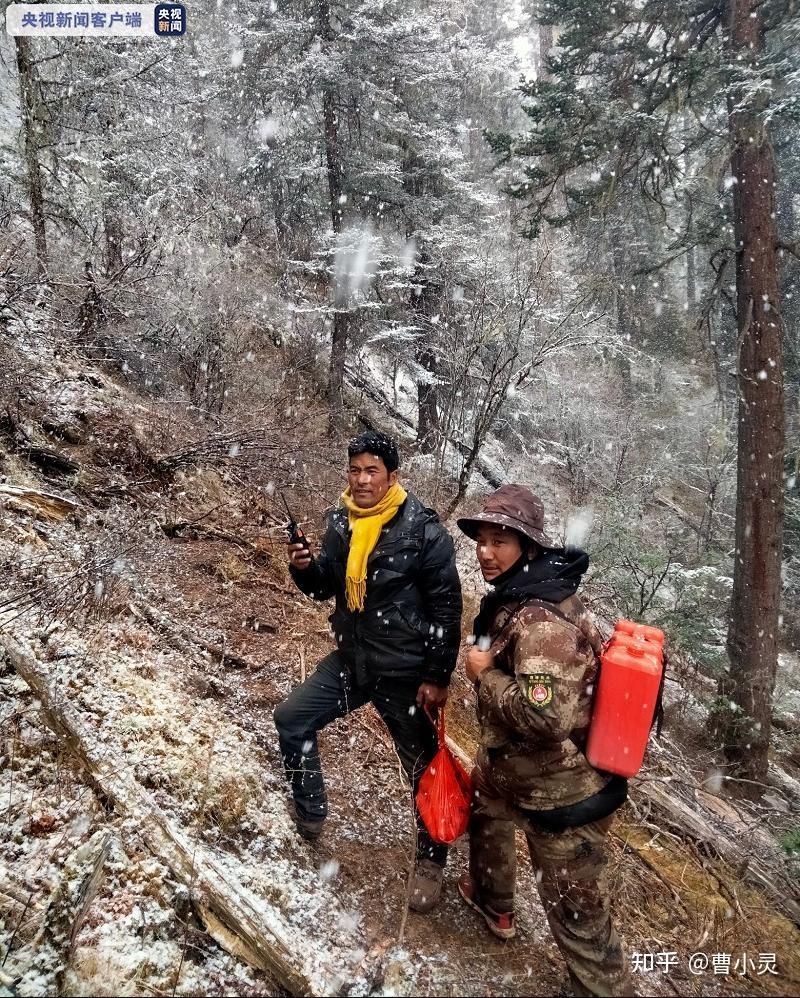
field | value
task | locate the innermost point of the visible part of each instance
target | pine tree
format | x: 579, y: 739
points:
x: 32, y: 126
x: 364, y: 155
x: 607, y: 128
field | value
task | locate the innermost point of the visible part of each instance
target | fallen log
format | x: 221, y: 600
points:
x: 185, y: 641
x: 44, y: 504
x: 49, y: 460
x: 51, y: 950
x: 733, y: 841
x: 63, y: 431
x: 17, y: 909
x: 177, y: 528
x: 46, y: 458
x: 248, y: 926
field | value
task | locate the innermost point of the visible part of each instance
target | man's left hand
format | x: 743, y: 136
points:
x: 431, y: 695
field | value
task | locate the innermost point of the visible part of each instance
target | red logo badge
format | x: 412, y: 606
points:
x: 539, y: 689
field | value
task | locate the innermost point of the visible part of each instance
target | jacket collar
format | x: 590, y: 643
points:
x: 552, y: 576
x: 408, y: 516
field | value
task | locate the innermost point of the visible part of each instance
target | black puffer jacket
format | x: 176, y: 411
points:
x: 410, y: 624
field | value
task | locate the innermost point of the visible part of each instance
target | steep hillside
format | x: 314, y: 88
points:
x: 149, y: 628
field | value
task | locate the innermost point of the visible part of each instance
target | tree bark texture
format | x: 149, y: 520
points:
x: 333, y: 160
x: 425, y: 305
x: 755, y: 603
x: 30, y: 128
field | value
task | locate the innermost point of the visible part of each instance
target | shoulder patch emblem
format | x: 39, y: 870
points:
x: 539, y: 689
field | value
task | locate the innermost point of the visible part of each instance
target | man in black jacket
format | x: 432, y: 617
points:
x: 390, y: 565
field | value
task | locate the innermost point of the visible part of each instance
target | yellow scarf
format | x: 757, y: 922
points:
x: 365, y: 525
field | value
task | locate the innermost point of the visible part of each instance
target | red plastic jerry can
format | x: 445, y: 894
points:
x: 641, y: 632
x: 625, y: 699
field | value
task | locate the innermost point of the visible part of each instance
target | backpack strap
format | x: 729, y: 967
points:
x: 658, y: 712
x: 531, y: 600
x: 550, y: 607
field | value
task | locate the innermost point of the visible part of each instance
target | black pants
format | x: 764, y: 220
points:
x: 333, y: 692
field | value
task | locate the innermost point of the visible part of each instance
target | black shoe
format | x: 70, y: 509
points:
x: 307, y: 829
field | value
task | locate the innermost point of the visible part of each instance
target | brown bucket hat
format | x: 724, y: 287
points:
x: 513, y: 506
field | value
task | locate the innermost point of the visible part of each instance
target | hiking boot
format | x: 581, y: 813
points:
x: 307, y: 829
x: 426, y: 885
x: 501, y: 923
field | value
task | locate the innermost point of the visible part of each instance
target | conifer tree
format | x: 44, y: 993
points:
x: 605, y: 129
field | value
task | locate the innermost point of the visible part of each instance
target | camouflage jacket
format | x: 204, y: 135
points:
x: 534, y: 705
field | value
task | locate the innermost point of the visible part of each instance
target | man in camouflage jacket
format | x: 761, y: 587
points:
x: 534, y: 666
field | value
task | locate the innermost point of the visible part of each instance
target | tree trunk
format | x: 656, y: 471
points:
x: 624, y: 306
x: 333, y: 161
x: 341, y: 325
x: 691, y: 259
x: 788, y: 220
x: 544, y: 244
x: 691, y: 281
x: 755, y: 602
x: 90, y: 311
x: 425, y: 303
x: 31, y: 127
x: 113, y: 226
x: 113, y: 231
x: 545, y: 45
x: 427, y: 396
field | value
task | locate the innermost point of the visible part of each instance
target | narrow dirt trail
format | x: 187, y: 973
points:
x: 368, y: 840
x: 369, y: 835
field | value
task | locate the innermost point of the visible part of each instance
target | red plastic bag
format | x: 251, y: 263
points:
x: 444, y: 792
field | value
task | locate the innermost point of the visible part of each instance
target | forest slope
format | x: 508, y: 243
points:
x: 161, y: 609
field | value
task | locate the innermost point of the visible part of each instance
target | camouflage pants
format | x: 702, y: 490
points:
x: 570, y: 875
